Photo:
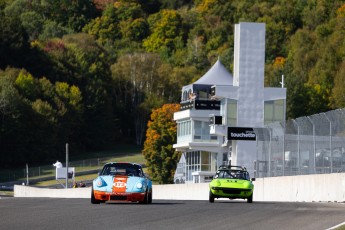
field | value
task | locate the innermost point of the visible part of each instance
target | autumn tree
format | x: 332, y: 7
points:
x: 158, y: 151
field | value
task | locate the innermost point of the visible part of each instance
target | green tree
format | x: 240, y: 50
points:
x: 300, y: 60
x: 26, y: 84
x: 7, y: 96
x: 9, y: 118
x: 52, y: 29
x: 70, y: 14
x: 297, y: 94
x: 166, y: 27
x: 104, y: 28
x: 22, y: 129
x: 32, y: 23
x: 175, y: 4
x: 338, y: 92
x: 158, y: 150
x: 14, y: 43
x: 91, y: 73
x: 138, y: 88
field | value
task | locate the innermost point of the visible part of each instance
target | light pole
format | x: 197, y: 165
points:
x: 66, y: 165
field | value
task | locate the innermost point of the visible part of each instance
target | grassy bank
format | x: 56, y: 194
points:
x: 132, y: 157
x: 83, y: 163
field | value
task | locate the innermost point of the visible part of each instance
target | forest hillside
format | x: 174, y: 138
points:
x: 90, y: 72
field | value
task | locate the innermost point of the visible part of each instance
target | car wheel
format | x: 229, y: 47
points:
x: 93, y: 199
x: 250, y: 199
x: 211, y: 197
x: 150, y: 197
x: 146, y: 198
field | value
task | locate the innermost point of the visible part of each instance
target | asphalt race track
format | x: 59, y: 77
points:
x: 56, y: 213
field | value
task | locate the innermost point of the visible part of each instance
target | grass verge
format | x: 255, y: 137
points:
x: 133, y: 157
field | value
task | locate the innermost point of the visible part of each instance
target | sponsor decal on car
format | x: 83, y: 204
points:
x: 119, y: 184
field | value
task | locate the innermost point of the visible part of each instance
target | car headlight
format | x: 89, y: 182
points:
x: 139, y: 185
x: 217, y: 183
x: 100, y: 182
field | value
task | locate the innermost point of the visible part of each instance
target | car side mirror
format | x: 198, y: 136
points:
x: 253, y: 179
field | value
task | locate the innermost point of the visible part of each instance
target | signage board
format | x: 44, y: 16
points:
x: 61, y: 173
x: 215, y: 120
x: 241, y: 133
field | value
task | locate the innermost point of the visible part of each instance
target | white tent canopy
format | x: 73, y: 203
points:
x: 217, y: 75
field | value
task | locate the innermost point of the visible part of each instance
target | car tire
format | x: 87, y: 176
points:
x: 150, y: 197
x: 93, y: 199
x: 146, y: 198
x: 250, y: 199
x: 211, y: 197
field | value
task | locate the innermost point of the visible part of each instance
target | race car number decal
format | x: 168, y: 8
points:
x: 119, y: 184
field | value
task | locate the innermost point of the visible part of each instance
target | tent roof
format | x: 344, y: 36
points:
x: 217, y: 75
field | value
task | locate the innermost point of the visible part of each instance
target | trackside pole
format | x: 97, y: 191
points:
x: 66, y: 165
x: 27, y: 174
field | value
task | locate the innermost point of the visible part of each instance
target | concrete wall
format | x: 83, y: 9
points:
x: 27, y: 191
x: 308, y: 188
x: 304, y: 188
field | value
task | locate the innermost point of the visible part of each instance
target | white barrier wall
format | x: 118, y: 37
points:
x: 304, y: 188
x: 308, y: 188
x: 27, y: 191
x: 181, y: 191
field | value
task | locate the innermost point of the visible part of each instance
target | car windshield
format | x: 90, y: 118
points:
x: 232, y: 174
x: 123, y: 169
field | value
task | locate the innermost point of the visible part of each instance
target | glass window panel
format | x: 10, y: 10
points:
x: 214, y: 162
x: 232, y: 112
x: 268, y: 112
x: 279, y: 110
x: 203, y: 95
x: 205, y: 167
x: 274, y: 111
x: 197, y: 127
x: 178, y: 129
x: 222, y: 107
x: 205, y: 157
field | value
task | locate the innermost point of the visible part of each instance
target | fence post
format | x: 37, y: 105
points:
x: 314, y: 144
x: 283, y: 155
x: 270, y: 152
x: 298, y: 145
x: 330, y: 140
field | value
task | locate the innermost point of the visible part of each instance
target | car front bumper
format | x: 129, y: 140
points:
x: 234, y: 193
x: 129, y: 197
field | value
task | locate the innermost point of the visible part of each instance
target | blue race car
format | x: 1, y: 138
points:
x: 121, y: 182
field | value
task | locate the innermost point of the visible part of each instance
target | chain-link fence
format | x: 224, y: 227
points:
x: 307, y: 145
x: 47, y: 172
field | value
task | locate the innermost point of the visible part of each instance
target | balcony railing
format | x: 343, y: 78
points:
x: 200, y: 104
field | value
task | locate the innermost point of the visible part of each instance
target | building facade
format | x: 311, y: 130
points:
x: 219, y: 102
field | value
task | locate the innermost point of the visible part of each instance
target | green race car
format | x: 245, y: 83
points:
x: 232, y: 182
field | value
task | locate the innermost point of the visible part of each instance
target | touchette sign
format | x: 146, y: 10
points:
x: 241, y: 133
